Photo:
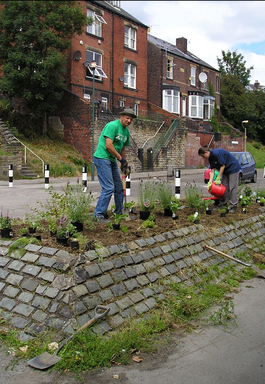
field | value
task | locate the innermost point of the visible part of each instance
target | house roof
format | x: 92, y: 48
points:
x: 118, y: 11
x: 172, y: 49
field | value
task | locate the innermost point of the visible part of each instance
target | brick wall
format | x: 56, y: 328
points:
x: 13, y: 150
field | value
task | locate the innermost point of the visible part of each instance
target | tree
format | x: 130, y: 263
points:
x: 233, y: 63
x: 34, y: 42
x: 235, y: 106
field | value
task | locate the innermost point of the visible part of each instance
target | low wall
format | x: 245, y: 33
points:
x: 49, y: 288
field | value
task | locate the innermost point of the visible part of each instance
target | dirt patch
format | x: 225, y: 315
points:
x: 102, y: 235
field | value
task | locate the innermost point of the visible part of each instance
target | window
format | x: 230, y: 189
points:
x: 136, y: 109
x: 193, y: 76
x: 87, y: 96
x: 208, y: 108
x: 169, y: 68
x: 171, y: 100
x: 130, y: 75
x: 96, y: 27
x: 104, y: 103
x: 196, y: 106
x: 121, y: 103
x: 217, y: 84
x: 94, y: 56
x: 184, y: 106
x: 130, y: 37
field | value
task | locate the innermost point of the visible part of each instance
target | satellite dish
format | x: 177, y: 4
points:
x: 77, y: 55
x: 202, y: 77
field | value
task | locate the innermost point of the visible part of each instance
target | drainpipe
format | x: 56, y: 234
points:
x: 112, y: 66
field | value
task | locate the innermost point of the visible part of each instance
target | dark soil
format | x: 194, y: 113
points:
x: 101, y: 235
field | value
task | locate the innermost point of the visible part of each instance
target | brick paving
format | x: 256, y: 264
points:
x: 43, y: 287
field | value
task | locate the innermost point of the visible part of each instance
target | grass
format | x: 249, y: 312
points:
x: 258, y: 151
x: 181, y: 305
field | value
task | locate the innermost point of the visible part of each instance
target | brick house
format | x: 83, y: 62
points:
x: 118, y: 43
x: 180, y: 82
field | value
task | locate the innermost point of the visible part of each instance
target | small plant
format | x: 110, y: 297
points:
x: 117, y: 218
x: 164, y: 194
x: 194, y: 217
x: 65, y: 228
x: 147, y: 195
x: 175, y: 204
x: 149, y: 223
x: 222, y: 210
x: 5, y: 221
x: 193, y: 196
x: 32, y: 221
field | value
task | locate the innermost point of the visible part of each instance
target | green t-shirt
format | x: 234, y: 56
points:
x: 118, y: 134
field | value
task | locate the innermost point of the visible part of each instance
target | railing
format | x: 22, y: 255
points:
x: 25, y: 154
x: 163, y: 140
x: 154, y: 134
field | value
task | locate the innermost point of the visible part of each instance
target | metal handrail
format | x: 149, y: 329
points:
x: 154, y: 134
x: 162, y: 141
x: 25, y: 155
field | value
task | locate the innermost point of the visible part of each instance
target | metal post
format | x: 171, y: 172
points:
x: 46, y: 176
x: 10, y: 175
x: 177, y: 184
x: 84, y: 177
x: 93, y: 122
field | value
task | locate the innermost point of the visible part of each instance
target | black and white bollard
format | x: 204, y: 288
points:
x: 47, y: 176
x: 128, y: 185
x: 177, y: 184
x: 84, y: 177
x: 10, y: 175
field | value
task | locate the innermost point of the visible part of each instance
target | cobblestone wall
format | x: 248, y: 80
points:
x: 49, y: 288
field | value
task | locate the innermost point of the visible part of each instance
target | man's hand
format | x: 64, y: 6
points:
x: 209, y: 185
x: 218, y: 181
x: 125, y: 169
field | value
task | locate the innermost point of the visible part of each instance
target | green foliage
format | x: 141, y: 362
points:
x: 5, y: 221
x: 149, y: 223
x: 193, y: 196
x: 78, y: 202
x: 175, y: 204
x: 35, y: 37
x: 233, y: 63
x: 147, y: 195
x: 164, y: 194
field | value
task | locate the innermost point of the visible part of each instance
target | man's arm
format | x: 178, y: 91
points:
x: 221, y: 171
x: 111, y: 149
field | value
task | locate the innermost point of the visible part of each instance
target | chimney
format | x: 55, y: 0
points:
x: 181, y: 44
x: 256, y: 84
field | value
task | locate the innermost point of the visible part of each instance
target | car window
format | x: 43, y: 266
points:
x: 249, y: 157
x: 243, y: 159
x: 236, y: 155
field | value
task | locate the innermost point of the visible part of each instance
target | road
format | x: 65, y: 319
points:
x: 28, y: 194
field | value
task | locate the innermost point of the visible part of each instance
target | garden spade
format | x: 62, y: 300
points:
x: 259, y: 272
x: 46, y: 360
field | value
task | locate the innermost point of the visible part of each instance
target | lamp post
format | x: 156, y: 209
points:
x: 93, y: 66
x: 245, y: 131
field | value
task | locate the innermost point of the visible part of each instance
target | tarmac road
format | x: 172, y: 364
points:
x: 211, y: 355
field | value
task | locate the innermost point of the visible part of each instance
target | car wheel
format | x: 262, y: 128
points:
x: 240, y: 179
x: 254, y: 178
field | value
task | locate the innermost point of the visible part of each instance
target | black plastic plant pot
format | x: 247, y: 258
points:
x: 53, y: 233
x: 208, y: 212
x: 167, y: 212
x: 174, y: 216
x: 74, y: 244
x: 62, y: 241
x: 6, y: 233
x: 32, y: 230
x: 116, y: 227
x: 196, y: 221
x: 79, y: 226
x: 223, y: 214
x: 38, y: 237
x: 144, y: 215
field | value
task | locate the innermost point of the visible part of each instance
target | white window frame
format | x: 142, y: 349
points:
x: 208, y: 108
x: 121, y: 103
x: 130, y: 37
x: 192, y: 76
x: 104, y: 103
x: 184, y: 106
x: 87, y: 96
x: 136, y: 109
x: 97, y: 57
x: 96, y: 27
x: 130, y: 75
x: 196, y: 106
x: 171, y: 100
x: 169, y: 68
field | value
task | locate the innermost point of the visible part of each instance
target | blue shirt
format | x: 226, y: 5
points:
x: 219, y: 157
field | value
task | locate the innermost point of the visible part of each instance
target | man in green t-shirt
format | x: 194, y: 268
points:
x: 111, y: 147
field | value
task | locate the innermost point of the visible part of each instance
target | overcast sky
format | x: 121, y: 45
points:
x: 209, y: 27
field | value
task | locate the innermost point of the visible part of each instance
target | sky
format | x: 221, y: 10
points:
x: 210, y: 28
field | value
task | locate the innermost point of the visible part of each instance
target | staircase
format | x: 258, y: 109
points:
x: 27, y: 173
